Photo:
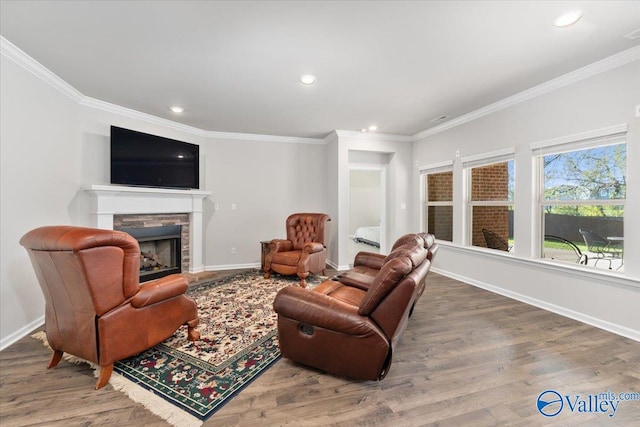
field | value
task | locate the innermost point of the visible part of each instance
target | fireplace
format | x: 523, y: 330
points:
x: 160, y: 250
x: 114, y: 207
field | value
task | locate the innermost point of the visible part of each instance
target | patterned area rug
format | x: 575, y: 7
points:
x: 238, y: 342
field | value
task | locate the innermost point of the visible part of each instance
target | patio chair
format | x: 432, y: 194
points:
x: 567, y: 251
x: 603, y: 249
x: 494, y: 241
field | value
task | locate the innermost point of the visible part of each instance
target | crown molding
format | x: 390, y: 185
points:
x: 261, y: 137
x: 374, y: 136
x: 97, y: 104
x: 331, y: 137
x: 606, y: 64
x: 127, y: 112
x: 335, y: 136
x: 18, y: 56
x: 14, y: 53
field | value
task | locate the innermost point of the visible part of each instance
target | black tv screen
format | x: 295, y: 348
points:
x: 153, y: 161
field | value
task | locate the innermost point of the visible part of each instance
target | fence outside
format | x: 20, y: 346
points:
x: 568, y: 226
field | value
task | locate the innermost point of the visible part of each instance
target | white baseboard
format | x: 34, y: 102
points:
x: 21, y: 333
x: 575, y: 315
x: 338, y: 267
x: 221, y: 267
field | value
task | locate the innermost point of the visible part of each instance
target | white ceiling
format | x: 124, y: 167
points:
x: 234, y: 66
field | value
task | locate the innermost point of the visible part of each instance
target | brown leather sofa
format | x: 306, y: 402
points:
x: 303, y: 252
x: 95, y: 307
x: 349, y: 329
x: 366, y: 265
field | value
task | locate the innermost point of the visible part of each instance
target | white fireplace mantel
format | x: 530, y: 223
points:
x: 110, y: 200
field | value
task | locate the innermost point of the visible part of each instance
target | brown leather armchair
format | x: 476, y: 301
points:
x: 95, y: 307
x: 349, y: 331
x: 303, y: 252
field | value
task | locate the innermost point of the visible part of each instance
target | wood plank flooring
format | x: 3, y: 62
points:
x: 468, y: 357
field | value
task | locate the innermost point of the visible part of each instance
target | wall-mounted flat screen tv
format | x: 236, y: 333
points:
x: 152, y: 161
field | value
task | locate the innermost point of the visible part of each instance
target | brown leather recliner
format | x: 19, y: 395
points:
x: 95, y: 307
x: 303, y: 252
x: 366, y: 265
x: 349, y: 331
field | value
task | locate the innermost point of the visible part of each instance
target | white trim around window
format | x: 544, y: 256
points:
x: 445, y: 166
x: 489, y: 158
x: 590, y: 137
x: 477, y: 161
x: 603, y: 137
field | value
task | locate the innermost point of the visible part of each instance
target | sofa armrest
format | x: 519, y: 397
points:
x: 369, y: 259
x: 356, y: 280
x: 160, y: 290
x: 313, y: 308
x: 280, y: 245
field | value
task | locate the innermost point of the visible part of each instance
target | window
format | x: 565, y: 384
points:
x: 490, y: 205
x: 437, y: 197
x: 581, y: 201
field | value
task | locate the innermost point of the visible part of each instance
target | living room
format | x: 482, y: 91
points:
x: 55, y: 146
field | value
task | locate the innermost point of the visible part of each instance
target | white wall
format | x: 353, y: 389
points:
x: 607, y: 300
x: 53, y: 146
x: 40, y: 174
x: 335, y: 178
x: 267, y: 182
x: 397, y: 153
x: 364, y: 198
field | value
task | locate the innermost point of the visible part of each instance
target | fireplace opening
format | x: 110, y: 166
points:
x: 160, y: 250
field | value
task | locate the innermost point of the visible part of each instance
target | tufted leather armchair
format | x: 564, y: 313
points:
x: 303, y: 252
x: 95, y: 307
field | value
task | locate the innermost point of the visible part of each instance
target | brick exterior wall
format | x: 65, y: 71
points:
x: 490, y: 183
x: 440, y: 187
x: 158, y: 220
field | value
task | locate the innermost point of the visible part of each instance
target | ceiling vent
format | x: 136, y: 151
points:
x: 633, y: 35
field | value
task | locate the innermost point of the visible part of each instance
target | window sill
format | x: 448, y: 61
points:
x: 589, y: 273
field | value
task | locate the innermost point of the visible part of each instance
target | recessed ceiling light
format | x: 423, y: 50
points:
x: 568, y: 18
x: 177, y: 109
x: 307, y: 79
x: 373, y: 128
x: 363, y: 130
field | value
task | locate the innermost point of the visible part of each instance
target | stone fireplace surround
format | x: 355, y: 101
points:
x: 115, y: 205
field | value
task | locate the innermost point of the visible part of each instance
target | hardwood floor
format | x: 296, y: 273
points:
x: 468, y: 357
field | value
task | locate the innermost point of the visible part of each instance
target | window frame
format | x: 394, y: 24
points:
x: 613, y: 135
x: 477, y: 161
x: 425, y: 171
